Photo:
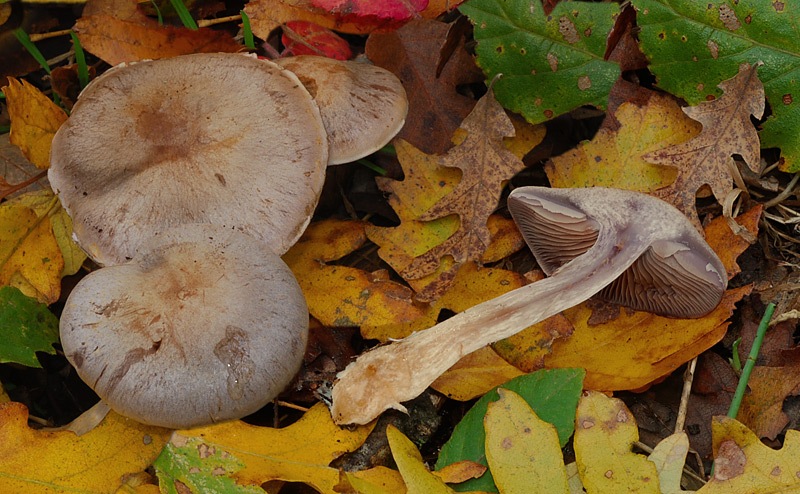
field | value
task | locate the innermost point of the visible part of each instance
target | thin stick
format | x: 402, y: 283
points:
x: 51, y: 34
x: 688, y: 378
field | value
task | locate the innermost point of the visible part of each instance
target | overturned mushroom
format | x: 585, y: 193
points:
x: 363, y: 106
x: 205, y: 138
x: 205, y: 324
x: 631, y: 248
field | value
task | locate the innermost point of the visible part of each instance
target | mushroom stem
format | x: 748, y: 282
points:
x: 402, y: 370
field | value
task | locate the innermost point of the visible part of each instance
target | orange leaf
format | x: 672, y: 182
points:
x: 116, y: 41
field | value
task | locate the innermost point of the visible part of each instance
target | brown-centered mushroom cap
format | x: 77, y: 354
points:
x: 678, y: 275
x: 205, y: 324
x: 363, y: 106
x: 613, y: 230
x: 204, y: 138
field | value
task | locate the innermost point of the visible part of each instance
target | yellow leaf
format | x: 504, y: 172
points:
x: 613, y: 158
x: 669, y: 456
x: 744, y: 465
x: 522, y: 450
x: 376, y: 480
x: 300, y: 452
x: 30, y: 258
x: 341, y: 295
x: 605, y: 430
x: 475, y: 375
x: 57, y: 462
x: 34, y: 121
x: 416, y: 476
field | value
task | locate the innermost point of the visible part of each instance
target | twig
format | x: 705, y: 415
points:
x: 688, y: 378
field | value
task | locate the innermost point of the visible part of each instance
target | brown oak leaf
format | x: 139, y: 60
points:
x: 727, y: 130
x: 486, y: 164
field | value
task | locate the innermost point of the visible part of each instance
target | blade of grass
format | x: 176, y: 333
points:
x: 249, y: 42
x: 372, y: 166
x: 80, y: 58
x: 25, y: 40
x: 158, y: 12
x: 184, y: 15
x: 750, y: 363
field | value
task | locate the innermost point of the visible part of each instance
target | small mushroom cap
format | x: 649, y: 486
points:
x: 678, y: 276
x: 204, y: 138
x: 205, y: 324
x: 363, y: 106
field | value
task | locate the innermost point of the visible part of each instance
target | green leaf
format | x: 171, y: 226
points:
x: 26, y: 326
x: 550, y: 64
x: 693, y: 46
x: 553, y: 394
x: 199, y: 466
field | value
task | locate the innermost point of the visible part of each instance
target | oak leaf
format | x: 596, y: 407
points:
x: 300, y: 452
x: 762, y: 407
x: 57, y: 462
x: 435, y: 107
x: 34, y: 121
x: 708, y: 158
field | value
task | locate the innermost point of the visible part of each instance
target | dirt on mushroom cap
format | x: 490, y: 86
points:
x: 205, y: 138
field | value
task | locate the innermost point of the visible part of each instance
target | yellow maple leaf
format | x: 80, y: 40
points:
x: 57, y: 462
x: 34, y: 121
x: 36, y: 248
x: 300, y: 452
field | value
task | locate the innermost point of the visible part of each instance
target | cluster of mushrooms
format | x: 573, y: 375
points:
x: 186, y: 179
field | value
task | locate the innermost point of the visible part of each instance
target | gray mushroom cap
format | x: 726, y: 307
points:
x: 679, y: 275
x: 363, y: 106
x: 205, y: 324
x: 204, y: 138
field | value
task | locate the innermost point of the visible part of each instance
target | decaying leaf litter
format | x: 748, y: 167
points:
x: 404, y: 239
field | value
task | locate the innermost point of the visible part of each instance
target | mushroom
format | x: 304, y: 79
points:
x: 203, y: 138
x: 204, y: 324
x: 363, y: 106
x: 631, y: 248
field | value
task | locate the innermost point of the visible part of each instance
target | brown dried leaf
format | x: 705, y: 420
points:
x: 486, y: 164
x: 435, y: 108
x: 727, y: 130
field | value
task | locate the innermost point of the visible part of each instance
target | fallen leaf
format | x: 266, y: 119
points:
x: 376, y: 480
x: 744, y: 465
x: 16, y: 172
x: 613, y: 158
x: 708, y: 158
x: 522, y: 450
x: 485, y: 166
x: 57, y: 462
x: 669, y: 457
x: 116, y: 40
x: 341, y: 295
x: 356, y: 17
x: 28, y: 327
x: 762, y: 407
x: 552, y: 394
x: 435, y: 107
x: 418, y: 479
x: 307, y: 38
x: 475, y: 375
x: 300, y: 452
x: 34, y: 121
x: 605, y: 431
